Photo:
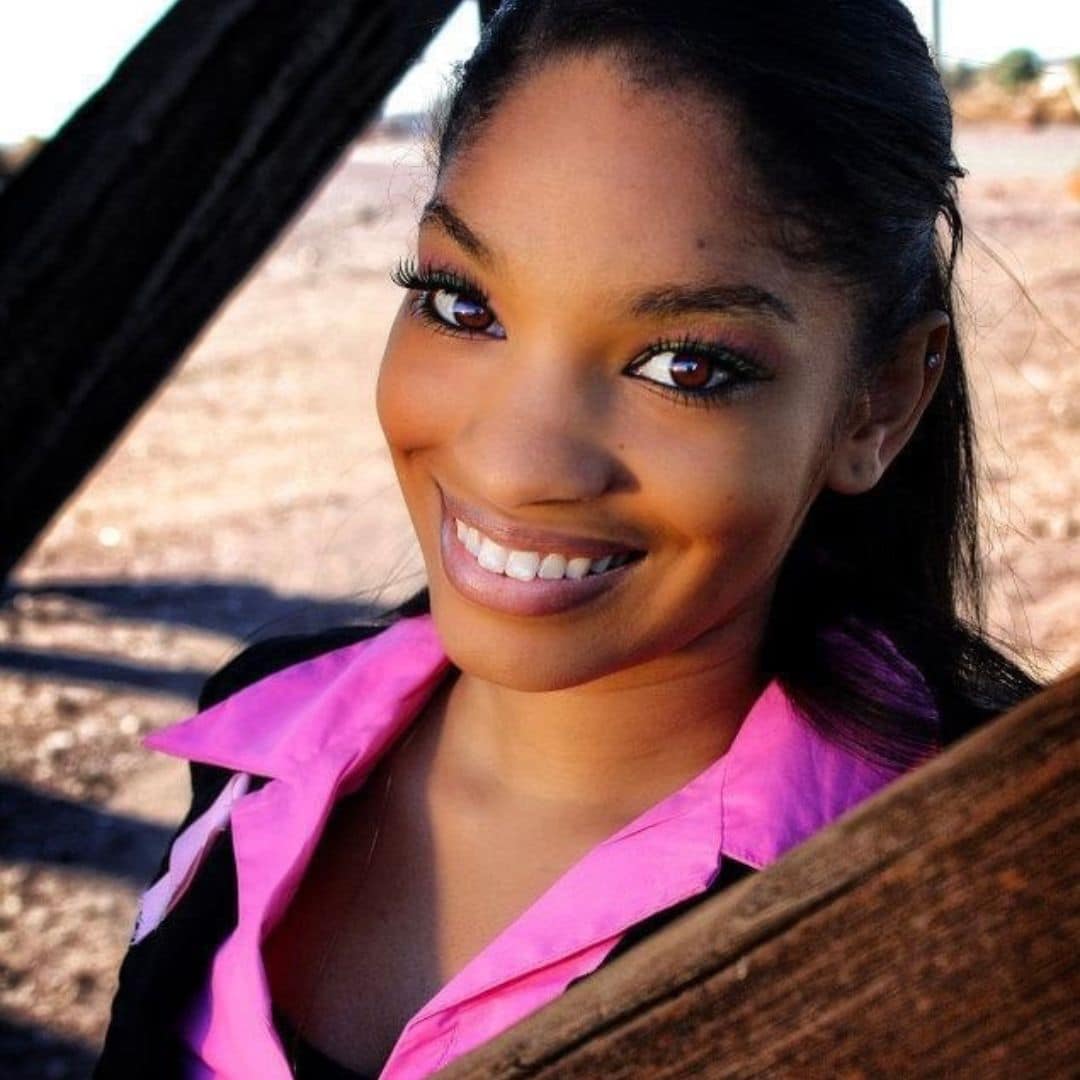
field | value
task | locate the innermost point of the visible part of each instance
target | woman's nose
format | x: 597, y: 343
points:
x: 537, y: 440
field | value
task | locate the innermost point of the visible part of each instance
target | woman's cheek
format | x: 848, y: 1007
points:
x: 414, y: 397
x: 740, y: 507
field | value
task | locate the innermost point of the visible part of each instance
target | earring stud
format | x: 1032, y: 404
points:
x: 933, y: 359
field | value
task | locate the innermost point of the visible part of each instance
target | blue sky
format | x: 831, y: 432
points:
x: 54, y: 53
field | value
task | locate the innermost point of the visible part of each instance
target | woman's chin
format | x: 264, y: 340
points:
x: 517, y: 653
x: 500, y: 660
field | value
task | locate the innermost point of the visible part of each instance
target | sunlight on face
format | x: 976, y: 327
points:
x: 601, y: 352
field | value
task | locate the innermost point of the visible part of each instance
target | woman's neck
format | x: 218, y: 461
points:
x: 618, y: 744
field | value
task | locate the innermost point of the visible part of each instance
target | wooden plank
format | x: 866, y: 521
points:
x: 933, y: 931
x: 126, y: 232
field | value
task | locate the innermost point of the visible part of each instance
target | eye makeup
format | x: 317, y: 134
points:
x: 731, y: 371
x: 430, y: 279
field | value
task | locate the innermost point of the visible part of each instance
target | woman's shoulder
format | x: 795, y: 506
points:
x: 257, y: 662
x: 291, y: 699
x: 272, y: 655
x: 275, y: 654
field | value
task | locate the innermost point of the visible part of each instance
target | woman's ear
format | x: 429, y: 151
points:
x: 883, y: 415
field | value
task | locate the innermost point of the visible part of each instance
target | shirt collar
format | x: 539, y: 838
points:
x: 778, y: 783
x: 346, y: 703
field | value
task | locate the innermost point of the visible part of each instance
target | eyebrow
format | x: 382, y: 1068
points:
x: 438, y: 212
x: 687, y: 299
x: 666, y: 300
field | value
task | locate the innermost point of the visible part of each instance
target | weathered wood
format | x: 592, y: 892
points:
x: 125, y: 233
x: 933, y: 931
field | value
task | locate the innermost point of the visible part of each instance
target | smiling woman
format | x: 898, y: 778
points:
x: 659, y: 645
x: 555, y: 406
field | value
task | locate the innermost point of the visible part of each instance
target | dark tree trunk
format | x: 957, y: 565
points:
x: 123, y: 236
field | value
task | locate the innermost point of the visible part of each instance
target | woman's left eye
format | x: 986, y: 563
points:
x: 695, y: 370
x: 682, y: 370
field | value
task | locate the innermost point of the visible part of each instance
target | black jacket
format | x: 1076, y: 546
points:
x: 161, y: 974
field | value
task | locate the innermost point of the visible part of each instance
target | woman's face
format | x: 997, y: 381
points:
x: 606, y: 356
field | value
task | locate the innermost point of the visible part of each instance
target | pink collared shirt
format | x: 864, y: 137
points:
x: 318, y: 728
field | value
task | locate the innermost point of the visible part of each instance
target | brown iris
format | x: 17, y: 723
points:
x: 690, y: 372
x: 472, y: 315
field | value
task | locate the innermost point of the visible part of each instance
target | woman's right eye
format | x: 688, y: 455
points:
x: 461, y: 311
x: 448, y: 301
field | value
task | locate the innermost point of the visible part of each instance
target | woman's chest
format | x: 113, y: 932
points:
x: 364, y: 946
x: 349, y: 981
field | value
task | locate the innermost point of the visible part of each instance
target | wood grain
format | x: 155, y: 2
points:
x: 931, y: 932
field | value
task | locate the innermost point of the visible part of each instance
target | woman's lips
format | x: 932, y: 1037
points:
x: 515, y: 536
x: 539, y: 596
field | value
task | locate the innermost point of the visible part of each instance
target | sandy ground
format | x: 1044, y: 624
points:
x: 253, y: 495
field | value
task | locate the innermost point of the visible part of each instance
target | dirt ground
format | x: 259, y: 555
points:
x: 253, y: 495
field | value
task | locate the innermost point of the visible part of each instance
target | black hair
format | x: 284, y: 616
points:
x: 844, y: 119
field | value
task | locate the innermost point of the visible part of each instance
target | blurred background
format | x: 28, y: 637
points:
x: 252, y: 494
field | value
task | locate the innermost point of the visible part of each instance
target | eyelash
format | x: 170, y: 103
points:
x: 742, y: 365
x: 428, y: 279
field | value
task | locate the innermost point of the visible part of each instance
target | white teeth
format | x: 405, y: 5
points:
x: 552, y: 567
x: 528, y: 565
x: 492, y: 556
x: 522, y: 565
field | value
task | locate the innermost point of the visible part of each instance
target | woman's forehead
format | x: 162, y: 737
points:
x: 611, y: 185
x: 575, y: 140
x: 708, y: 292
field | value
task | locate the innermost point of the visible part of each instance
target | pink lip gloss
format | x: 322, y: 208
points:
x: 501, y: 593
